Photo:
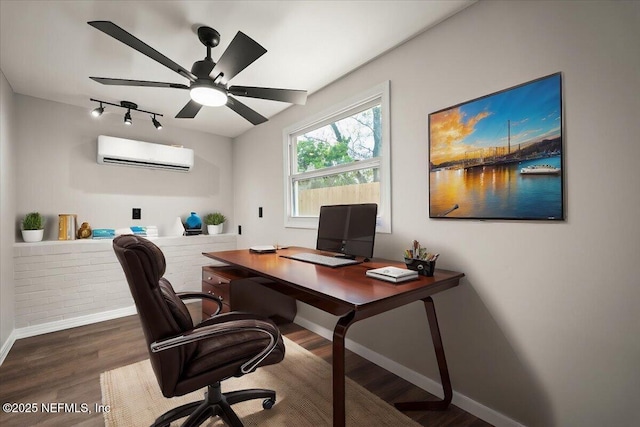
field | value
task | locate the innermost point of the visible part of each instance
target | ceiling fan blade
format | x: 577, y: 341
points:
x: 118, y: 33
x: 245, y: 111
x: 242, y: 52
x: 284, y: 95
x: 125, y: 82
x: 189, y: 111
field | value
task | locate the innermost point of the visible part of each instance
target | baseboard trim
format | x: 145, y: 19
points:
x: 60, y: 325
x: 434, y: 387
x: 6, y: 347
x: 45, y: 328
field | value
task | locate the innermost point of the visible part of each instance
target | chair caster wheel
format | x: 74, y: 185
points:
x: 268, y: 403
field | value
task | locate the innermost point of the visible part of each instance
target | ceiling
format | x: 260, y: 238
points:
x: 47, y: 49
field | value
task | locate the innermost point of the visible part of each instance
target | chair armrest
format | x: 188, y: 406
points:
x: 225, y: 328
x: 201, y: 295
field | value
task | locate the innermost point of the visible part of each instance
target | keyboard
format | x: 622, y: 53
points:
x: 329, y: 261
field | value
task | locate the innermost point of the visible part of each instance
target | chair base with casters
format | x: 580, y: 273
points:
x: 216, y: 403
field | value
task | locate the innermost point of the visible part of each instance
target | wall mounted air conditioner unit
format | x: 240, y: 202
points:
x: 127, y: 152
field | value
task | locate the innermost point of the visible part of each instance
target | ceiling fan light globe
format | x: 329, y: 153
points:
x: 208, y: 96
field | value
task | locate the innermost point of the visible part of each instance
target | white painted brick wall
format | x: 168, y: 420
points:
x: 59, y: 280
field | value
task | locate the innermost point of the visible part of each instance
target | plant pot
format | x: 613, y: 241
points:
x: 31, y: 236
x: 215, y: 229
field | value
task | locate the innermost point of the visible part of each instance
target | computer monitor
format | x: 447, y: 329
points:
x: 348, y: 230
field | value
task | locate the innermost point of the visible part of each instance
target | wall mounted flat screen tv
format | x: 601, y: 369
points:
x: 348, y: 230
x: 499, y: 156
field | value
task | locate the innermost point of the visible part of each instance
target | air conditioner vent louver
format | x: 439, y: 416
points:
x: 144, y: 164
x: 127, y: 152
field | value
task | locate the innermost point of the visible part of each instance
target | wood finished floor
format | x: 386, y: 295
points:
x: 65, y: 367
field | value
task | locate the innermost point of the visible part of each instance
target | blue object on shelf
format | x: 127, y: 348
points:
x: 194, y: 221
x: 103, y: 233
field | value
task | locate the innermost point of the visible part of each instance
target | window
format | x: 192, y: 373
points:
x: 340, y: 156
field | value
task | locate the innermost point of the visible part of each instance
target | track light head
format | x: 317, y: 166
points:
x: 98, y: 111
x: 127, y: 118
x: 156, y: 123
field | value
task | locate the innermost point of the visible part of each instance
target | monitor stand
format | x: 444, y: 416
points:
x: 346, y: 256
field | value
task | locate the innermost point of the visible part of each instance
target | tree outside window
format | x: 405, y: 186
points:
x: 338, y: 159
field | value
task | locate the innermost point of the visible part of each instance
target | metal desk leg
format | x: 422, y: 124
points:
x: 338, y: 362
x: 439, y: 405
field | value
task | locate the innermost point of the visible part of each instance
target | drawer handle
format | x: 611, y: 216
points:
x: 218, y: 280
x: 211, y: 293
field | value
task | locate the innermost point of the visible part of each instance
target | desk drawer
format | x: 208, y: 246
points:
x: 221, y: 291
x: 222, y: 274
x: 214, y: 279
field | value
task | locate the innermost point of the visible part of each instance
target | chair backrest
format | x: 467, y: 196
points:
x: 162, y: 313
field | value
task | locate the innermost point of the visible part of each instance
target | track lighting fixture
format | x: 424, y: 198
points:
x: 156, y: 123
x: 127, y: 116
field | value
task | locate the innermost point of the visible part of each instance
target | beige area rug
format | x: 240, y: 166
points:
x: 302, y: 382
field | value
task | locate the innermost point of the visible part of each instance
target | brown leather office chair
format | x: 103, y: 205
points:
x: 185, y: 357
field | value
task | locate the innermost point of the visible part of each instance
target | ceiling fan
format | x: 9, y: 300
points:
x: 208, y: 80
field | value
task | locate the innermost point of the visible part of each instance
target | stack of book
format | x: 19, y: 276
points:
x: 110, y: 233
x: 393, y: 274
x: 138, y: 231
x: 103, y: 233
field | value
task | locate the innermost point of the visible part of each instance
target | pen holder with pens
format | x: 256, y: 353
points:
x: 423, y: 267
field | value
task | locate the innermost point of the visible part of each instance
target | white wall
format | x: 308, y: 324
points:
x: 545, y: 327
x: 57, y: 170
x: 8, y: 144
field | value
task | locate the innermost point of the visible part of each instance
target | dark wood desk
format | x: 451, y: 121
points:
x: 348, y: 293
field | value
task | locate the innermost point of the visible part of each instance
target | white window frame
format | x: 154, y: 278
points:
x: 378, y: 94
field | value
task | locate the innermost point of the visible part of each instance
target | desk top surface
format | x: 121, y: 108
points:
x: 337, y: 290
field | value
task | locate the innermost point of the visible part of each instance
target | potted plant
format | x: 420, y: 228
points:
x: 32, y: 227
x: 215, y: 222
